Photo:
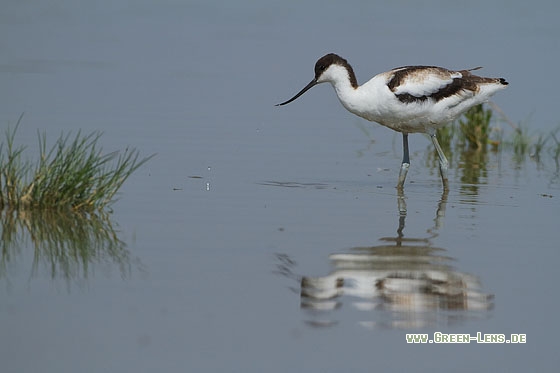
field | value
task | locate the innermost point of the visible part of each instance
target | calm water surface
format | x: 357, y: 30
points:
x: 264, y: 239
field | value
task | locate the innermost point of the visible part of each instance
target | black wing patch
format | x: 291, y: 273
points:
x: 419, y: 83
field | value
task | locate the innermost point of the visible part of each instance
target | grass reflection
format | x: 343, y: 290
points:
x: 66, y: 245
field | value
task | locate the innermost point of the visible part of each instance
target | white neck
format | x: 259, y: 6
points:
x: 348, y: 95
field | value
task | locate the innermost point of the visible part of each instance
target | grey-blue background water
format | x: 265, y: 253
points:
x: 244, y: 198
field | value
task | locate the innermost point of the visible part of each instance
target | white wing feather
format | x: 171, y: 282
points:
x: 426, y: 82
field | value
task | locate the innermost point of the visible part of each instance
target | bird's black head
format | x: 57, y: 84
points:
x: 324, y: 62
x: 334, y: 59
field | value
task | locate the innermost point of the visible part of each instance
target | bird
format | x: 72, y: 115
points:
x: 408, y: 99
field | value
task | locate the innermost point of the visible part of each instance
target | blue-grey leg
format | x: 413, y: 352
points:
x: 443, y: 163
x: 405, y: 162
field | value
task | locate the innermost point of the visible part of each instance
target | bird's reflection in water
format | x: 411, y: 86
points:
x: 402, y: 283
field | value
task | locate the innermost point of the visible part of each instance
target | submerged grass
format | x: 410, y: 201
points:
x: 72, y: 175
x: 556, y: 147
x: 475, y: 127
x: 473, y: 131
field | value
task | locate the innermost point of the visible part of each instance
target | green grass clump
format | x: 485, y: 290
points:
x: 73, y: 174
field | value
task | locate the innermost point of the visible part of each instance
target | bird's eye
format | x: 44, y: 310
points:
x: 322, y: 67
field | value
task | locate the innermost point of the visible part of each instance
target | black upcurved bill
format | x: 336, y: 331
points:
x: 307, y: 87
